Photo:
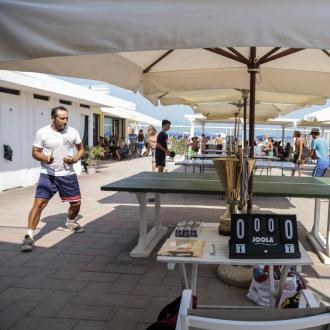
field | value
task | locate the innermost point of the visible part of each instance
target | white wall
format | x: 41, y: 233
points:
x: 20, y: 117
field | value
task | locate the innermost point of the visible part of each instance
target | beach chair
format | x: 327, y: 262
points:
x: 250, y: 318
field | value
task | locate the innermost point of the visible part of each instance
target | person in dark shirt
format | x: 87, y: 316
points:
x: 161, y: 147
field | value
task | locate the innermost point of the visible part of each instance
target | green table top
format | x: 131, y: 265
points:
x: 188, y: 183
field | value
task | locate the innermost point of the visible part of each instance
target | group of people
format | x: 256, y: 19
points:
x: 114, y: 147
x: 318, y: 150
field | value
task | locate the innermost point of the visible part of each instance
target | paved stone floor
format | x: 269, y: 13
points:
x: 88, y: 281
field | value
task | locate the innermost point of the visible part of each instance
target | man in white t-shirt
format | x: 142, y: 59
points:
x: 54, y: 147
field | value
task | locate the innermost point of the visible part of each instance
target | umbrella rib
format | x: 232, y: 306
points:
x: 286, y: 52
x: 238, y: 54
x: 271, y: 52
x: 146, y: 70
x: 224, y: 53
x: 326, y: 52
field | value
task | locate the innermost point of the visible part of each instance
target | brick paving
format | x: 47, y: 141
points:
x: 88, y: 281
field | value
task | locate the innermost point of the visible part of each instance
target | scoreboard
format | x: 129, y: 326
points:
x: 262, y: 236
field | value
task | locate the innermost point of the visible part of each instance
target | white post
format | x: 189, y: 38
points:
x: 192, y: 128
x: 203, y: 128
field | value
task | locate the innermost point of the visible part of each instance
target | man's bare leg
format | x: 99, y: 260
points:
x: 34, y: 216
x: 153, y: 166
x: 72, y: 225
x: 74, y: 210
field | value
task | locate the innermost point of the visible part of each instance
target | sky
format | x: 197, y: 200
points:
x: 173, y: 113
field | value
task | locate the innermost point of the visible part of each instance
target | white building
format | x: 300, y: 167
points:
x: 26, y: 100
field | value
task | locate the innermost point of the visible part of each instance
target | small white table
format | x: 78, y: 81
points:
x: 209, y: 233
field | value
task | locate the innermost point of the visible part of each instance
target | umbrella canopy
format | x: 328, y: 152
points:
x: 41, y: 29
x: 155, y: 73
x: 163, y: 46
x: 319, y: 116
x: 222, y: 95
x: 313, y: 123
x: 224, y: 110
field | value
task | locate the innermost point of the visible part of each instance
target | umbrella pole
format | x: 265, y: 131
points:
x: 245, y: 95
x: 252, y: 70
x: 235, y: 131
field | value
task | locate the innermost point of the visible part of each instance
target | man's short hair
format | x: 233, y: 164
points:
x: 53, y: 113
x: 315, y: 131
x: 165, y: 122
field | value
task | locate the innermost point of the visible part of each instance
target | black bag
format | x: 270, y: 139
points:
x: 168, y: 316
x: 7, y: 152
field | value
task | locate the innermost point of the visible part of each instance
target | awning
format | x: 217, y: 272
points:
x: 131, y: 115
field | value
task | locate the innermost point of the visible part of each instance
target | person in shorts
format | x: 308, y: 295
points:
x: 140, y: 142
x: 153, y: 143
x: 320, y: 151
x: 54, y: 147
x: 161, y: 146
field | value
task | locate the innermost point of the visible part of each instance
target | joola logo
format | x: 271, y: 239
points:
x: 263, y: 240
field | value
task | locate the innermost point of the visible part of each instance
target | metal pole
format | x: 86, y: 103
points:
x: 283, y: 129
x: 252, y: 70
x: 235, y: 130
x: 245, y: 96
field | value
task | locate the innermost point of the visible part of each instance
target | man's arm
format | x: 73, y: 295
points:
x: 37, y: 154
x: 159, y: 146
x: 78, y: 156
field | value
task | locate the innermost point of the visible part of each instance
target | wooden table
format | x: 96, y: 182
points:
x: 209, y: 234
x: 209, y: 184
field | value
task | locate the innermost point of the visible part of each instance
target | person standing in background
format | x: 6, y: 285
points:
x: 161, y: 147
x: 203, y: 144
x: 147, y: 143
x: 153, y: 144
x: 320, y: 151
x: 140, y: 142
x: 219, y: 142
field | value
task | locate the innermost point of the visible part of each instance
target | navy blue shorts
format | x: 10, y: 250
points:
x: 66, y: 186
x: 160, y: 161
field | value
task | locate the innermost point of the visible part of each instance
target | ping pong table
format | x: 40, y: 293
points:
x: 210, y: 156
x: 260, y: 164
x: 206, y: 184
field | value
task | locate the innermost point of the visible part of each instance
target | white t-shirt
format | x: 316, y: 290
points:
x: 61, y: 144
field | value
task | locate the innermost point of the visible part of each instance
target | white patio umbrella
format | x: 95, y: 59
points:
x: 222, y: 95
x: 161, y: 46
x: 224, y: 110
x: 319, y: 116
x: 264, y: 112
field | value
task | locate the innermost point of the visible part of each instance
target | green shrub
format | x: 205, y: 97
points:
x: 92, y: 154
x: 179, y: 146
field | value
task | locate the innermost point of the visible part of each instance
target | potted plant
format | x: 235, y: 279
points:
x: 91, y: 156
x: 180, y: 148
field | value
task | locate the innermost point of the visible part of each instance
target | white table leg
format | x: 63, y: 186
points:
x: 158, y: 223
x: 284, y: 275
x: 147, y: 241
x: 316, y: 225
x: 183, y: 276
x: 320, y: 243
x: 194, y: 279
x: 271, y: 286
x: 327, y: 242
